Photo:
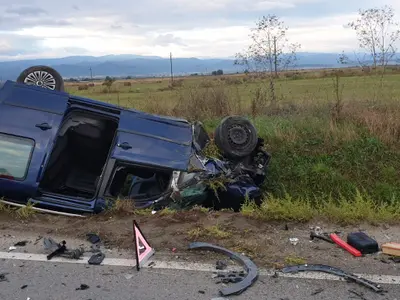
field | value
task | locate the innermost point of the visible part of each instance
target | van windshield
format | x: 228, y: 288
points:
x: 15, y: 154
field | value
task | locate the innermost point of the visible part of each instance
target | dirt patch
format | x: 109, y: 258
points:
x: 266, y: 243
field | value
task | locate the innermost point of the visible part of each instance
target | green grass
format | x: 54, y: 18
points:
x: 340, y: 163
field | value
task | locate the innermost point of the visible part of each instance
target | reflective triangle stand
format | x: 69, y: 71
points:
x: 142, y: 247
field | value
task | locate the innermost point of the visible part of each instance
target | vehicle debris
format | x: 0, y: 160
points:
x: 90, y: 162
x: 12, y: 248
x: 362, y: 242
x: 220, y: 265
x: 3, y: 277
x: 317, y: 291
x: 93, y: 238
x: 251, y: 268
x: 230, y: 277
x: 335, y: 271
x: 21, y: 244
x: 61, y: 249
x: 96, y: 259
x: 82, y: 287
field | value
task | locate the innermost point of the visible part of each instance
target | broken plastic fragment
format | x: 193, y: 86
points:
x: 96, y: 259
x: 251, y: 268
x: 93, y: 238
x: 82, y: 287
x: 3, y: 277
x: 21, y: 244
x: 294, y: 241
x: 335, y: 271
x: 220, y: 265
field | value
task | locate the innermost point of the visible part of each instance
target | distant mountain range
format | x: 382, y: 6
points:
x: 145, y: 66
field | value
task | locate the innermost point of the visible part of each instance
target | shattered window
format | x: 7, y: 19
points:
x: 15, y: 154
x: 140, y: 182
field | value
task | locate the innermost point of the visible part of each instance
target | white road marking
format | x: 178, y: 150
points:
x: 190, y: 266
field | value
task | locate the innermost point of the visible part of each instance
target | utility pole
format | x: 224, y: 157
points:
x: 91, y: 74
x: 275, y: 58
x: 172, y: 73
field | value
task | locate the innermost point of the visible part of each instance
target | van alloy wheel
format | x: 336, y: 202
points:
x: 42, y: 76
x: 42, y: 79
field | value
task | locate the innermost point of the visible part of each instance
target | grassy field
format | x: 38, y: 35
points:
x: 334, y: 140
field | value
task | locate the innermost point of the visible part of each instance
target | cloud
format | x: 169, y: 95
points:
x: 157, y: 27
x: 14, y: 46
x: 25, y: 10
x: 168, y: 39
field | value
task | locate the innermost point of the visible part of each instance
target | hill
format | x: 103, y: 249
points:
x: 145, y: 66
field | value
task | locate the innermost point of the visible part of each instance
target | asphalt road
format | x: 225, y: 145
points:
x: 56, y: 281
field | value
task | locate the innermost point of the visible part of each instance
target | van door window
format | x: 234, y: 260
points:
x: 138, y: 182
x: 15, y: 155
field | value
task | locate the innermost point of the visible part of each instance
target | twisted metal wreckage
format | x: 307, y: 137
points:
x: 77, y: 155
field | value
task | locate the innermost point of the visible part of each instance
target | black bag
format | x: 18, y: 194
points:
x: 362, y: 242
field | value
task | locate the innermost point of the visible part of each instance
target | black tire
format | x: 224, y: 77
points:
x: 42, y: 76
x: 236, y: 137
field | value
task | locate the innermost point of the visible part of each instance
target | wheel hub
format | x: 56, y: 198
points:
x: 41, y: 78
x: 238, y: 135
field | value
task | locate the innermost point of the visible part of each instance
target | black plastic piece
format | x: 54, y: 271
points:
x: 362, y: 242
x: 251, y: 268
x: 61, y: 249
x: 93, y: 238
x: 335, y: 271
x: 96, y: 259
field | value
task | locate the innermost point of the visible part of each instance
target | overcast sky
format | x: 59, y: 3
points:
x: 187, y: 28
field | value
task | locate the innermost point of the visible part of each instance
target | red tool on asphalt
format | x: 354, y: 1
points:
x: 338, y: 241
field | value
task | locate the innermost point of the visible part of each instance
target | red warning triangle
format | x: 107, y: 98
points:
x: 142, y: 247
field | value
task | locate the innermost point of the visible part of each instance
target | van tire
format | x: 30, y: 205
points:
x: 42, y: 76
x: 236, y: 137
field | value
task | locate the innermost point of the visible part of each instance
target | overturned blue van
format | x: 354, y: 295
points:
x: 69, y: 153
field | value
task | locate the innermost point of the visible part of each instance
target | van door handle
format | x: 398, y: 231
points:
x: 44, y: 126
x: 124, y: 146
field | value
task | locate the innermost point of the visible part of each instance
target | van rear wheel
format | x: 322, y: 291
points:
x: 42, y: 76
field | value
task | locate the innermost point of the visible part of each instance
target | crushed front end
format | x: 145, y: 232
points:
x: 224, y: 182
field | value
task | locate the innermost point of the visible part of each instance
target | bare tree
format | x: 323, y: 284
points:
x: 270, y: 50
x: 377, y: 32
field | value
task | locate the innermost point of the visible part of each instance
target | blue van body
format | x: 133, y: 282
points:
x: 30, y: 122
